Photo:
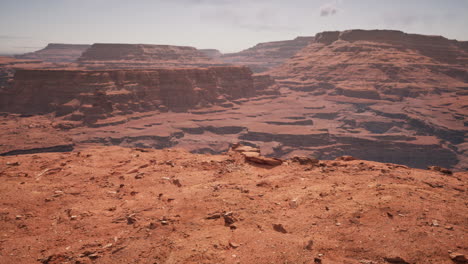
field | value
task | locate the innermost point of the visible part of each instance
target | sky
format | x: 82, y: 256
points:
x: 227, y: 25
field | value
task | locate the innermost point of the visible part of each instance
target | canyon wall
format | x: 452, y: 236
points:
x: 98, y: 94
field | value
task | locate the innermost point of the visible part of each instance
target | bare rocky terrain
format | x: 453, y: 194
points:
x: 124, y: 205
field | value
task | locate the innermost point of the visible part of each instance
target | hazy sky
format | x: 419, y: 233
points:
x: 227, y: 25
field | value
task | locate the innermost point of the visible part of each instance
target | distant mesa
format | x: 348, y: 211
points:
x: 56, y: 53
x: 125, y: 56
x: 265, y: 56
x: 377, y: 64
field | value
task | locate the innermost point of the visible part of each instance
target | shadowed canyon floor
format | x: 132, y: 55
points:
x: 122, y: 205
x: 295, y: 123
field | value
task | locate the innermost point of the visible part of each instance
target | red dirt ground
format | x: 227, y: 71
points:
x: 123, y: 205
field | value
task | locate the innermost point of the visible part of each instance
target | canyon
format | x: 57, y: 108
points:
x: 345, y: 147
x: 385, y: 96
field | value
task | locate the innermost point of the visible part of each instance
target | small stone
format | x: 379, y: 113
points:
x: 18, y: 217
x: 176, y: 182
x: 73, y: 217
x: 133, y: 170
x: 396, y: 260
x: 309, y: 245
x: 233, y: 245
x: 131, y: 219
x: 228, y: 219
x: 449, y: 227
x: 458, y: 258
x: 435, y: 223
x: 108, y: 245
x: 293, y: 204
x: 16, y: 163
x: 279, y: 228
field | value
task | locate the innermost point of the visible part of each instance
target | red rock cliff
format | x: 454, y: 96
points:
x: 96, y: 94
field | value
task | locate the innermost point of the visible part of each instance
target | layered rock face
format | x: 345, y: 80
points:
x: 120, y: 56
x: 392, y: 97
x: 265, y: 56
x: 96, y: 94
x: 378, y: 64
x: 57, y: 53
x: 393, y: 84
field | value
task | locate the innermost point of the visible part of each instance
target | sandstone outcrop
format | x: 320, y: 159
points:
x: 265, y: 56
x: 253, y: 155
x: 55, y: 52
x: 128, y: 56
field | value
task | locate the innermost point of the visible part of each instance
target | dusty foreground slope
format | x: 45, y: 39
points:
x: 122, y: 205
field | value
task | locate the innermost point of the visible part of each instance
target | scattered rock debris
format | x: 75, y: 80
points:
x: 264, y: 209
